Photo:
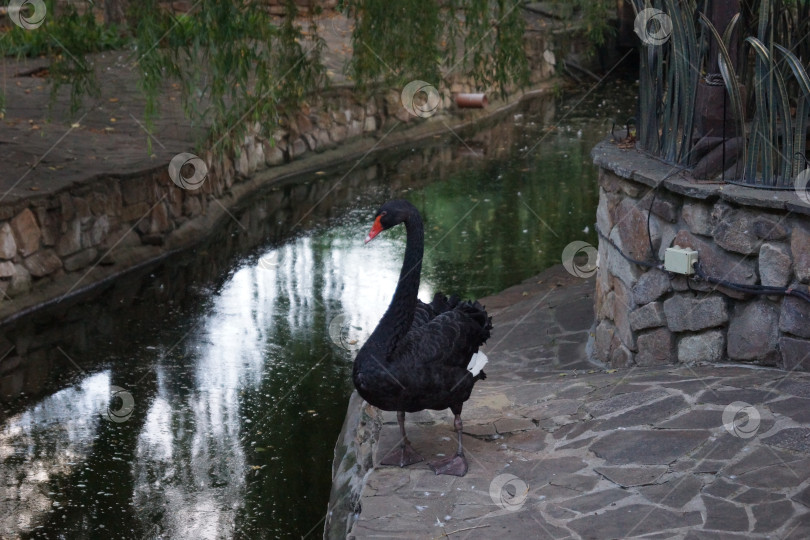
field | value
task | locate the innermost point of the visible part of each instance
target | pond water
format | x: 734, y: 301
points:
x: 201, y: 397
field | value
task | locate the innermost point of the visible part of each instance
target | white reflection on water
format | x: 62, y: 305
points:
x: 51, y: 438
x: 189, y: 465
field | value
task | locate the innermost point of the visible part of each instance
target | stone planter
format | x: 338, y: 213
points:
x: 742, y: 235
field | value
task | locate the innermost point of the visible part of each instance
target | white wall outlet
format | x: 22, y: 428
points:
x: 680, y: 260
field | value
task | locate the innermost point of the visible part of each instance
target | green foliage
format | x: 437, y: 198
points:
x: 235, y: 66
x: 395, y: 43
x: 67, y: 40
x: 596, y: 16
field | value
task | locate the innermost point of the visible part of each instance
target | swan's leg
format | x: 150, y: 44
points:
x: 404, y: 454
x: 457, y: 464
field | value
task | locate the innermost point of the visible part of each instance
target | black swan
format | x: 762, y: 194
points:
x: 420, y: 356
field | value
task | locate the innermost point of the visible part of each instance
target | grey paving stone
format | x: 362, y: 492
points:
x: 722, y: 488
x: 577, y: 444
x: 635, y: 520
x: 796, y: 439
x: 771, y: 516
x: 753, y: 397
x: 632, y: 476
x: 724, y: 516
x: 695, y: 419
x: 576, y: 482
x: 787, y: 385
x: 647, y: 447
x: 645, y: 414
x: 591, y: 502
x: 624, y: 401
x: 797, y: 409
x: 756, y: 495
x: 674, y: 493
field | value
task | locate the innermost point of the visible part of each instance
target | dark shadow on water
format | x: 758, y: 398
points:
x: 233, y: 355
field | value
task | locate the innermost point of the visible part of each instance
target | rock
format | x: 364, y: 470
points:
x: 192, y: 207
x: 355, y: 128
x: 703, y: 347
x: 717, y: 262
x: 80, y: 260
x: 734, y: 229
x: 622, y: 305
x: 662, y: 204
x: 614, y: 184
x: 753, y: 332
x: 618, y: 265
x: 605, y: 333
x: 298, y: 148
x: 795, y: 317
x: 686, y: 313
x: 768, y: 228
x: 697, y: 217
x: 20, y: 281
x: 603, y: 220
x: 242, y: 164
x: 8, y: 247
x: 101, y: 226
x: 255, y: 153
x: 42, y: 263
x: 667, y: 234
x: 370, y: 124
x: 655, y: 348
x: 651, y: 286
x: 83, y: 207
x: 648, y: 316
x: 632, y: 227
x: 795, y: 354
x: 131, y: 214
x: 660, y: 447
x: 66, y: 204
x: 71, y: 239
x: 6, y: 269
x: 800, y: 246
x: 621, y: 357
x: 26, y: 232
x: 774, y: 265
x: 723, y: 515
x: 338, y: 133
x: 273, y: 155
x: 160, y: 221
x: 771, y: 516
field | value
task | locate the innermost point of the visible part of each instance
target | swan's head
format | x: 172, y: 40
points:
x: 391, y: 213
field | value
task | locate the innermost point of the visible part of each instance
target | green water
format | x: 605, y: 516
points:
x: 238, y: 388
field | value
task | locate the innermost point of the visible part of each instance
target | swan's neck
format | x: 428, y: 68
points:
x: 398, y: 318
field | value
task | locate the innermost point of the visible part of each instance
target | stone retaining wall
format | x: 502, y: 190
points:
x: 742, y: 235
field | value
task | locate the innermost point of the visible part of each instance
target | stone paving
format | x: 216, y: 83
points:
x: 561, y: 448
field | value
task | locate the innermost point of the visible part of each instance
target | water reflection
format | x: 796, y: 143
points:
x: 239, y: 388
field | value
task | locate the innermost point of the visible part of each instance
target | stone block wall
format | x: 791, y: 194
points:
x: 648, y: 317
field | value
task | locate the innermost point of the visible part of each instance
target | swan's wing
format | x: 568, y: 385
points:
x: 424, y: 313
x: 449, y: 339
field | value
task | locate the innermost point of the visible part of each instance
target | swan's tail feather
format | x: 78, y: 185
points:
x: 477, y: 313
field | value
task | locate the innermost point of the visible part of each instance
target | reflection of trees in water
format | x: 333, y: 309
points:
x: 230, y: 427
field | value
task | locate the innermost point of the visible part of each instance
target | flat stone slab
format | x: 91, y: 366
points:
x: 632, y: 476
x: 595, y: 453
x: 647, y: 447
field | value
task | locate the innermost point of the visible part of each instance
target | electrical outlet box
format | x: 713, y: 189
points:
x: 679, y: 260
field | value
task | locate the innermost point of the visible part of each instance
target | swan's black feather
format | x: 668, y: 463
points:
x: 417, y: 357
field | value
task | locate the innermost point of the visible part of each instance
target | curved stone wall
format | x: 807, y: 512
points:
x: 645, y: 316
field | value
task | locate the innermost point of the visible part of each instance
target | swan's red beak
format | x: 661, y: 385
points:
x: 375, y: 230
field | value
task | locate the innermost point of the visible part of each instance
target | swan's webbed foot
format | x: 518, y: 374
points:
x: 402, y: 456
x: 455, y: 465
